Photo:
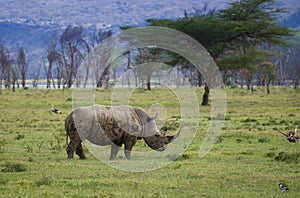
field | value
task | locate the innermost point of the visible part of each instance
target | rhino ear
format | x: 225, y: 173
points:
x: 151, y: 118
x: 154, y: 117
x: 143, y: 115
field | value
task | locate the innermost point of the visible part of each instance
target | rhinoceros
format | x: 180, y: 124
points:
x: 115, y: 126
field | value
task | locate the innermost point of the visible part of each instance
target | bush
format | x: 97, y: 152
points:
x: 250, y: 120
x: 3, y: 181
x: 10, y: 167
x: 288, y: 157
x: 43, y: 181
x: 2, y: 144
x: 183, y: 157
x: 19, y: 136
x: 263, y: 140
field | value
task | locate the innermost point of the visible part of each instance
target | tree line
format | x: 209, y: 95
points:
x: 245, y: 40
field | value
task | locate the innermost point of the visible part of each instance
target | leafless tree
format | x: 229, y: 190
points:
x: 105, y: 56
x: 71, y: 41
x: 22, y: 64
x: 36, y: 74
x: 54, y: 59
x: 14, y: 76
x: 5, y: 63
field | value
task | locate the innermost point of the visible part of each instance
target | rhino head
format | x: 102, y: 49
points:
x: 153, y: 137
x: 159, y: 141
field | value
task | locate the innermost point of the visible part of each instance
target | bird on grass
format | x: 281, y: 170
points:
x: 283, y: 188
x: 55, y: 110
x: 291, y: 136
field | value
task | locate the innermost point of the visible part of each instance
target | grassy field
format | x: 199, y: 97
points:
x: 250, y: 158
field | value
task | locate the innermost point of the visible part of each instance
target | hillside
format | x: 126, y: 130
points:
x: 30, y: 23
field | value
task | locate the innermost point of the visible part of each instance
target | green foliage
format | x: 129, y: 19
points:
x: 43, y: 181
x: 263, y: 140
x: 13, y: 167
x: 235, y: 35
x: 288, y: 157
x: 19, y: 136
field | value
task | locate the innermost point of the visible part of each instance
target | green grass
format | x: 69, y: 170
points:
x: 249, y: 159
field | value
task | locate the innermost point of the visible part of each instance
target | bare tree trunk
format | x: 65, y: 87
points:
x: 23, y: 65
x: 205, y: 95
x: 242, y: 79
x: 128, y: 68
x: 149, y: 82
x: 268, y: 87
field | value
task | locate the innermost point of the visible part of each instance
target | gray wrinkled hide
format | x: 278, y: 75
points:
x: 103, y: 124
x: 116, y: 125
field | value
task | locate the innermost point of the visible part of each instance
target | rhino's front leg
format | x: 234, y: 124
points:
x: 114, y: 151
x: 129, y: 143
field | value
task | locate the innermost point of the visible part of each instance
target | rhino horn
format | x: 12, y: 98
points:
x: 163, y: 132
x: 173, y: 137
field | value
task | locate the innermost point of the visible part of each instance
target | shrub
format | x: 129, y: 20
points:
x: 43, y: 181
x: 238, y: 140
x: 288, y: 157
x: 10, y: 167
x: 19, y: 136
x: 271, y: 154
x: 250, y: 120
x: 183, y: 157
x: 3, y: 181
x: 2, y: 144
x: 263, y: 140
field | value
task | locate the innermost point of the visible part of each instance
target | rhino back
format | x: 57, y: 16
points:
x: 102, y: 125
x: 118, y: 120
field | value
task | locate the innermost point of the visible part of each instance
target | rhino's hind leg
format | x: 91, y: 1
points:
x: 79, y: 152
x: 71, y: 149
x: 114, y: 151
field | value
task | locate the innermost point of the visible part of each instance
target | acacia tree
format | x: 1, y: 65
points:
x: 252, y: 23
x: 233, y: 35
x: 205, y: 27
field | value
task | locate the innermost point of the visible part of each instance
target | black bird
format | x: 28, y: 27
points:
x: 283, y: 188
x: 54, y: 110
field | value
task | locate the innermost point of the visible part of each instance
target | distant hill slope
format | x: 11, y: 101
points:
x: 33, y: 38
x: 29, y: 23
x: 292, y: 21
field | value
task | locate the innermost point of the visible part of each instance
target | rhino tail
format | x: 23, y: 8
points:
x: 67, y: 130
x: 68, y: 127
